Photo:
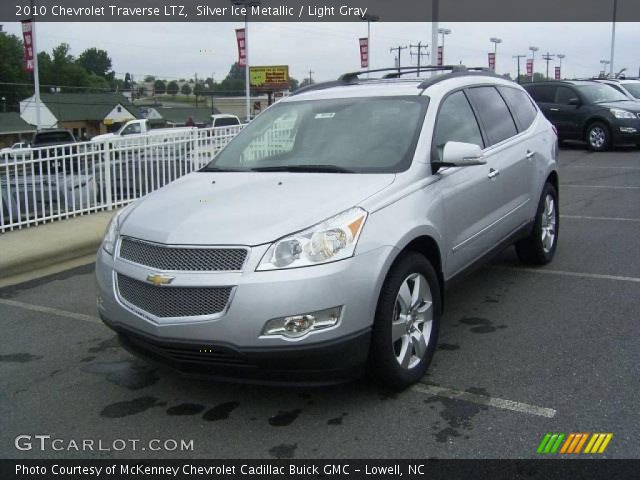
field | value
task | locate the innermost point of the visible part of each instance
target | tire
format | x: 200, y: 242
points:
x: 401, y: 354
x: 540, y: 246
x: 598, y: 137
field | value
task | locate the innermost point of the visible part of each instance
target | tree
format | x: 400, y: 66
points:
x: 293, y: 84
x: 186, y: 89
x: 97, y: 62
x: 159, y: 87
x: 127, y: 81
x: 172, y: 88
x: 12, y: 71
x: 306, y: 82
x: 149, y: 78
x: 537, y: 77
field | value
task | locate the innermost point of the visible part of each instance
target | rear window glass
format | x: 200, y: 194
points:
x: 494, y: 114
x: 53, y: 137
x: 542, y: 93
x: 226, y: 122
x: 520, y: 105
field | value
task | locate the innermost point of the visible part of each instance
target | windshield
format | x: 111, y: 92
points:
x: 633, y: 89
x: 359, y: 135
x: 601, y: 93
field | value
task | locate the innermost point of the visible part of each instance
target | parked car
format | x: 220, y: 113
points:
x: 331, y: 253
x: 224, y: 120
x: 15, y: 151
x: 589, y: 111
x: 138, y: 132
x: 629, y: 87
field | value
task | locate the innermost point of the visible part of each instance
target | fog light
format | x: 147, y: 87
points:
x: 299, y: 325
x: 628, y: 130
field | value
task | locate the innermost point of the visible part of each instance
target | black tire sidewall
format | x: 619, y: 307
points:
x: 383, y: 364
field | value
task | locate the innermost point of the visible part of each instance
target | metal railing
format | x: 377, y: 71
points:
x: 45, y: 184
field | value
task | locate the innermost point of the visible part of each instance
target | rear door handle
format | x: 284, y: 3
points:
x: 554, y: 109
x: 493, y: 173
x: 530, y: 154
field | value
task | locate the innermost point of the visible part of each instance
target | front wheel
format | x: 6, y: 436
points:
x: 405, y: 330
x: 540, y: 246
x: 598, y: 137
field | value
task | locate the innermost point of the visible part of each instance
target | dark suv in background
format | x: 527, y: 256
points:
x: 589, y: 111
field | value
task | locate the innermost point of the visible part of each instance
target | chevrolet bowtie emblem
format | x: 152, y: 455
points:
x: 158, y: 279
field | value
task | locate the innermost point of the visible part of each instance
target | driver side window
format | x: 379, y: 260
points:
x: 132, y: 129
x: 456, y: 123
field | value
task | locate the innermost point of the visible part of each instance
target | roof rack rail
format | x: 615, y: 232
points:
x: 395, y: 72
x: 460, y: 72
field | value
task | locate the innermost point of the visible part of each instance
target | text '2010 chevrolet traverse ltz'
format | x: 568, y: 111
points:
x: 320, y: 240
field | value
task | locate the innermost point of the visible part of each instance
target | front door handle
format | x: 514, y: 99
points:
x: 530, y: 154
x: 493, y: 173
x: 554, y: 109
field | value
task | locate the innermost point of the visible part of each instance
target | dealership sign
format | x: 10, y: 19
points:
x: 27, y: 34
x: 242, y: 47
x: 273, y: 77
x: 364, y: 52
x: 492, y: 61
x: 440, y: 55
x: 530, y: 66
x: 557, y: 73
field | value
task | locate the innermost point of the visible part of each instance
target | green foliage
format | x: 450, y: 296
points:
x: 159, y: 87
x: 149, y: 78
x: 97, y: 62
x: 172, y: 88
x: 186, y: 89
x: 12, y: 71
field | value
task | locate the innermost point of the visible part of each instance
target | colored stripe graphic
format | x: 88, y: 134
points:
x: 598, y: 442
x: 550, y: 443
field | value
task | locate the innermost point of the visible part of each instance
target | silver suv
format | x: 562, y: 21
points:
x: 321, y: 239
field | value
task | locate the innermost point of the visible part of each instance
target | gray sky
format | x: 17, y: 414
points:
x: 173, y: 50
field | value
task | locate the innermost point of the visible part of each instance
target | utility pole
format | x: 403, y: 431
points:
x: 399, y: 48
x: 518, y: 57
x: 548, y: 57
x: 311, y: 72
x: 419, y: 53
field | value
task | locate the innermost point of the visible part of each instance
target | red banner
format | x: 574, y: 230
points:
x: 27, y: 35
x: 529, y: 66
x: 440, y: 55
x: 364, y: 52
x: 242, y: 47
x: 492, y: 61
x: 557, y: 73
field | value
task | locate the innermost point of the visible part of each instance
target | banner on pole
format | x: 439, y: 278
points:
x: 529, y: 66
x: 364, y: 52
x: 242, y: 47
x: 492, y: 61
x: 557, y: 73
x: 27, y: 35
x: 440, y: 55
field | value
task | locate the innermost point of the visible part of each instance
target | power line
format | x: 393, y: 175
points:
x: 399, y: 48
x: 419, y: 53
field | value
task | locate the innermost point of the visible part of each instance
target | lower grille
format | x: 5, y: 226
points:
x: 166, y: 302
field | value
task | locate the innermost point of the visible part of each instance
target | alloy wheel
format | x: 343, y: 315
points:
x: 412, y: 321
x: 597, y: 137
x: 548, y: 223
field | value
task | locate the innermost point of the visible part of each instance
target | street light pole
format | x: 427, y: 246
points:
x: 435, y: 7
x: 443, y: 32
x: 560, y: 57
x: 369, y: 17
x: 247, y: 4
x: 495, y: 42
x: 613, y: 37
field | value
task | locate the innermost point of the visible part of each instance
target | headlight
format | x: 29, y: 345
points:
x: 334, y: 239
x: 619, y: 113
x: 111, y: 235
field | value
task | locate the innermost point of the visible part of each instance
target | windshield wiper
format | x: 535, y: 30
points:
x: 222, y: 169
x: 304, y: 168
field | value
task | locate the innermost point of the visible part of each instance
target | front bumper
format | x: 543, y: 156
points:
x: 231, y: 344
x: 626, y: 132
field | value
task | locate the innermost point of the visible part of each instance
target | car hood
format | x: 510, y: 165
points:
x: 253, y: 208
x: 104, y: 136
x: 631, y: 105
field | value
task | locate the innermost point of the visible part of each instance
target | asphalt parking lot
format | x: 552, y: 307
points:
x: 522, y: 352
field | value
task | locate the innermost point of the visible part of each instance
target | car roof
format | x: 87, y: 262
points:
x: 351, y: 85
x: 577, y: 83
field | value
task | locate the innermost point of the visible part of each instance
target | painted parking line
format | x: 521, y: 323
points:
x: 613, y: 219
x: 484, y: 400
x: 565, y: 185
x: 597, y: 167
x: 50, y: 311
x: 545, y: 271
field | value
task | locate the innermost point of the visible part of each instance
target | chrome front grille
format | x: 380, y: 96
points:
x: 167, y: 301
x: 170, y: 258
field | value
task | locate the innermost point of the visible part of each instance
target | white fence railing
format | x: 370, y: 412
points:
x: 44, y: 184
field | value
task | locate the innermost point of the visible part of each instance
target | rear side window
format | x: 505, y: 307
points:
x: 564, y: 94
x: 226, y: 122
x: 542, y: 93
x: 520, y: 105
x: 494, y: 114
x: 456, y: 123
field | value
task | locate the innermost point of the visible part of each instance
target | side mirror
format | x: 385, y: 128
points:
x: 575, y: 101
x: 459, y: 154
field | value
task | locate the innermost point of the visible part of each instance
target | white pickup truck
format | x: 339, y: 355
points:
x: 140, y: 128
